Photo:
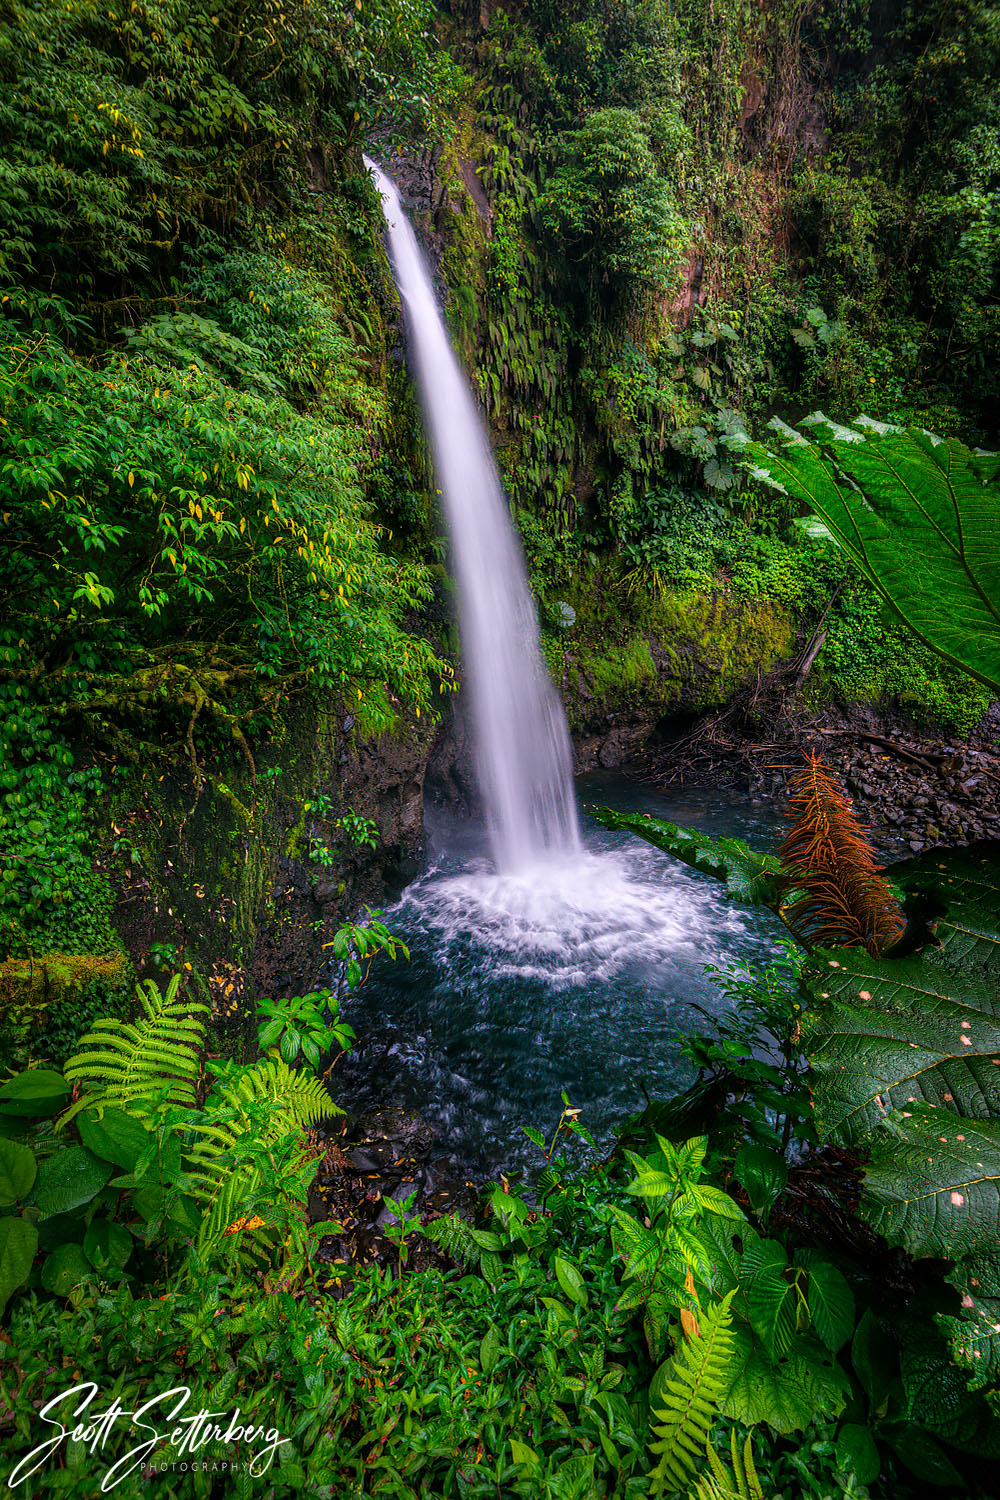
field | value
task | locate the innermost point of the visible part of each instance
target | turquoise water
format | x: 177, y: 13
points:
x: 574, y: 977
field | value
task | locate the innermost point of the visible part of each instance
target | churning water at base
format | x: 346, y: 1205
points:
x: 573, y: 978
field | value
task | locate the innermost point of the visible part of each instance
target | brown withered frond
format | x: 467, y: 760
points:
x: 842, y: 899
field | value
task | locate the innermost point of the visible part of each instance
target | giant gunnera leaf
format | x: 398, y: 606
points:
x: 917, y: 515
x: 932, y: 1182
x: 975, y: 1334
x: 905, y: 1063
x: 891, y: 1034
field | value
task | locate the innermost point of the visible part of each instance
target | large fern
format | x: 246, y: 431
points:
x: 137, y: 1064
x: 290, y: 1100
x: 696, y: 1383
x: 248, y: 1118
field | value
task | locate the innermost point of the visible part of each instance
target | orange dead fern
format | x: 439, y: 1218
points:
x: 841, y: 899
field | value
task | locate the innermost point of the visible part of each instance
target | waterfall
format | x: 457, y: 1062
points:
x: 521, y: 742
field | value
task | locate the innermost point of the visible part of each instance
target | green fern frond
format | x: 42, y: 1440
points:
x: 270, y: 1102
x: 290, y: 1100
x: 131, y: 1064
x: 699, y: 1376
x: 232, y: 1203
x: 739, y: 1483
x: 452, y: 1235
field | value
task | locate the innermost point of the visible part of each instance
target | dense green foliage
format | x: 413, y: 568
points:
x: 194, y: 408
x: 608, y: 212
x: 701, y: 213
x: 215, y: 503
x: 901, y: 1056
x: 601, y: 1328
x: 917, y: 515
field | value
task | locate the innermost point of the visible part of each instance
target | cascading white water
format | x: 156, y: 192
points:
x: 522, y: 746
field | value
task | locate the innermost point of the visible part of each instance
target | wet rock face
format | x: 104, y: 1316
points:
x: 450, y: 780
x: 913, y: 788
x: 228, y: 876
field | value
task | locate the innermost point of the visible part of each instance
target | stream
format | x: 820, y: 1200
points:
x: 577, y: 977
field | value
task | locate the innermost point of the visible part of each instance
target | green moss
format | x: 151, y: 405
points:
x: 48, y: 1002
x: 690, y: 650
x: 374, y: 715
x: 618, y: 668
x: 716, y: 642
x: 869, y: 657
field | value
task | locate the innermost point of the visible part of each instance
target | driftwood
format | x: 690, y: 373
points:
x: 930, y: 760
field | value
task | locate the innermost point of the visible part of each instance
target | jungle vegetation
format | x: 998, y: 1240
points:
x: 689, y: 216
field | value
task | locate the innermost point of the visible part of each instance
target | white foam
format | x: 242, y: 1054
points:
x: 568, y: 923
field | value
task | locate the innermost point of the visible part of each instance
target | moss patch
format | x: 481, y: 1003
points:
x: 681, y: 651
x: 57, y: 976
x: 48, y: 1002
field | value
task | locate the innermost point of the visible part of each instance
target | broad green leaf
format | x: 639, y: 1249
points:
x: 749, y: 877
x: 60, y: 1229
x: 522, y: 1454
x: 715, y: 1201
x: 932, y: 1183
x: 64, y: 1269
x: 486, y: 1239
x: 936, y: 1392
x: 36, y: 1092
x: 886, y: 1034
x: 18, y: 1243
x: 489, y: 1350
x: 652, y: 1185
x: 107, y: 1246
x: 17, y: 1172
x: 763, y: 1174
x: 721, y: 1262
x: 491, y: 1267
x: 891, y: 1033
x: 831, y: 1305
x: 856, y: 1452
x: 68, y: 1179
x: 114, y: 1136
x: 918, y: 518
x: 787, y: 1393
x: 570, y: 1280
x: 770, y: 1295
x: 975, y: 1336
x: 968, y: 881
x: 771, y: 1302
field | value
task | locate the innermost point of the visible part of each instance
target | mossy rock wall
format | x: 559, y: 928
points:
x: 678, y: 654
x: 222, y: 882
x: 49, y: 1000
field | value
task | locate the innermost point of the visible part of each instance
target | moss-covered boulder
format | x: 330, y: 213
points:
x: 48, y: 1001
x: 678, y: 652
